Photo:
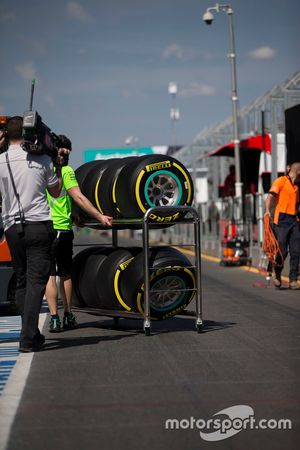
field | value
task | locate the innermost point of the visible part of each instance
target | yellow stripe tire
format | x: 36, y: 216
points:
x: 90, y: 180
x: 132, y: 186
x: 109, y: 279
x: 186, y: 276
x: 104, y: 191
x: 170, y: 267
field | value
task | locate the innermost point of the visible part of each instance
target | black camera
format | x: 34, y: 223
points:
x: 63, y: 142
x: 38, y: 138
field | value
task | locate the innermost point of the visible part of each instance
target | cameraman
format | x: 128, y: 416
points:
x: 28, y: 229
x: 61, y: 213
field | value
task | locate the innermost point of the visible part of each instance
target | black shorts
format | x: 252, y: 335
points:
x: 62, y: 252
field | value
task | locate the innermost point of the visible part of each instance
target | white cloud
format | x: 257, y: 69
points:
x: 2, y: 109
x: 26, y: 70
x: 76, y: 11
x: 178, y: 52
x: 198, y: 89
x: 264, y: 52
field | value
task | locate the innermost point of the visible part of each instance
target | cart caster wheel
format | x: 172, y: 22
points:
x: 199, y: 328
x: 116, y: 321
x: 147, y: 331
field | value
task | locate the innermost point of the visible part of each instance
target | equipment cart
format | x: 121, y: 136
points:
x: 146, y: 224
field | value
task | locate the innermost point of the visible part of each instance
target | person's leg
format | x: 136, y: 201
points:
x: 16, y: 246
x: 64, y: 263
x: 69, y: 320
x: 38, y: 241
x: 52, y: 299
x: 281, y: 234
x: 52, y: 290
x: 294, y: 248
x: 52, y: 294
x: 66, y: 292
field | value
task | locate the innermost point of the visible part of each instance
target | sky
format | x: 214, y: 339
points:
x: 102, y: 67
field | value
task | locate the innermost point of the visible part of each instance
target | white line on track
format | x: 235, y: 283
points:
x: 11, y: 396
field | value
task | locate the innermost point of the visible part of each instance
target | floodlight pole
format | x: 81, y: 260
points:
x: 234, y: 98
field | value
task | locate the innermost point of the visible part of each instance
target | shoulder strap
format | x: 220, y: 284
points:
x: 21, y: 212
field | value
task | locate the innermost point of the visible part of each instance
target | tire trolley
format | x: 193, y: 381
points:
x: 145, y: 224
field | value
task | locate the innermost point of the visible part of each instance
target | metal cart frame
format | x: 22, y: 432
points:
x: 146, y: 225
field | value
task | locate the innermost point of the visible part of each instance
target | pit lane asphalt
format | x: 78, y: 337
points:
x: 98, y: 387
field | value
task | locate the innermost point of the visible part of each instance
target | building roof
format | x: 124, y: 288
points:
x: 281, y: 97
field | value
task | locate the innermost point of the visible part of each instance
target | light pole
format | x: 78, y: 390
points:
x: 174, y: 111
x: 208, y: 19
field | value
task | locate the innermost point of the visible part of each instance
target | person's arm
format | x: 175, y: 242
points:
x: 55, y: 189
x: 273, y: 193
x: 270, y: 200
x: 87, y: 206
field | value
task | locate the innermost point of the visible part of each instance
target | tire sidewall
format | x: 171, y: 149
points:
x: 133, y: 179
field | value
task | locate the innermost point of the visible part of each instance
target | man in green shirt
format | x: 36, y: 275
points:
x: 61, y: 214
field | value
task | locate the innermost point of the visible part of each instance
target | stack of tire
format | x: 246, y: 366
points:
x: 112, y: 279
x: 127, y: 187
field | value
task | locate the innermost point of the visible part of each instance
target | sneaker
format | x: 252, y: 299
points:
x: 294, y: 285
x: 69, y: 321
x: 277, y: 280
x: 54, y: 324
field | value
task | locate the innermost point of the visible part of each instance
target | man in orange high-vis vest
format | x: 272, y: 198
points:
x: 285, y: 194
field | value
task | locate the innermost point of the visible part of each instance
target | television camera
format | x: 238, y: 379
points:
x: 38, y: 137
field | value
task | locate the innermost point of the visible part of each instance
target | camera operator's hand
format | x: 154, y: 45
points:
x: 2, y: 139
x: 61, y: 153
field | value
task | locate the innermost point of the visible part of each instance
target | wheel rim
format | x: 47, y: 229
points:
x: 162, y: 301
x: 163, y: 188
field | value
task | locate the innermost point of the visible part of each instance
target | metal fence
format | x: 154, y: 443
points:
x: 218, y: 219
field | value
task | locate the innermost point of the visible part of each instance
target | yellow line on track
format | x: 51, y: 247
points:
x: 203, y: 255
x: 217, y: 260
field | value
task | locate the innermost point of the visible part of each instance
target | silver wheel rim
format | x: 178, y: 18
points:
x: 169, y: 295
x: 163, y: 190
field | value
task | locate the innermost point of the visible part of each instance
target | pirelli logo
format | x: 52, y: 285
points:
x: 158, y: 166
x: 125, y: 263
